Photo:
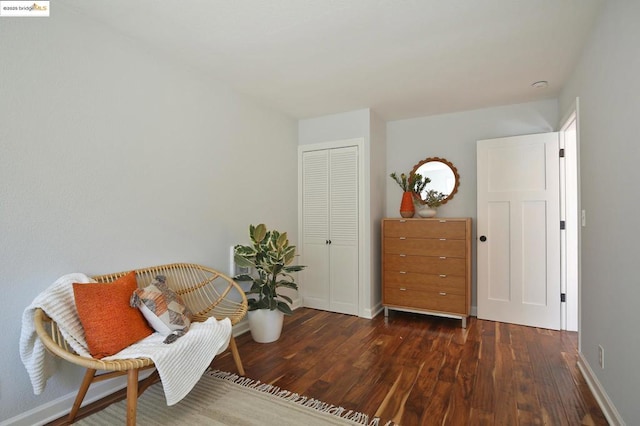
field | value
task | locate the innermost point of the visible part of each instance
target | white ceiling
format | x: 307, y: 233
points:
x: 402, y: 58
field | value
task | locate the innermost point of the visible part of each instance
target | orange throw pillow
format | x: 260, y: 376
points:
x: 109, y: 323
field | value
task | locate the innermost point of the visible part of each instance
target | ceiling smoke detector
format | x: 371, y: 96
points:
x: 540, y: 84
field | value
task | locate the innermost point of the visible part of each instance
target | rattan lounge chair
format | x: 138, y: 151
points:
x: 207, y: 292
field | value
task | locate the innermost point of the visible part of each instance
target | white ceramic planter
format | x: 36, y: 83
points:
x: 427, y: 211
x: 265, y: 325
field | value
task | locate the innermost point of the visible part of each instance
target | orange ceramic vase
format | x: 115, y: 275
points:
x: 406, y: 206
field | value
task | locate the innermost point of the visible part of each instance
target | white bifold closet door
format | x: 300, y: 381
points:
x: 330, y: 229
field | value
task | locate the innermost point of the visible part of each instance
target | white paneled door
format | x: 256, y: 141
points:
x: 330, y: 229
x: 518, y: 230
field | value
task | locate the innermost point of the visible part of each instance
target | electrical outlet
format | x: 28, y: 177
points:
x: 601, y: 356
x: 584, y: 218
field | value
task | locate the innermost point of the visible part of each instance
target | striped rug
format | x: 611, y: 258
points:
x: 222, y: 398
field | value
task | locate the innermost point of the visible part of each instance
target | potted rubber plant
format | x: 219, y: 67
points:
x: 270, y: 257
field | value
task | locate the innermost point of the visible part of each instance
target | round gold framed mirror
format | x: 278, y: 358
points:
x: 443, y: 174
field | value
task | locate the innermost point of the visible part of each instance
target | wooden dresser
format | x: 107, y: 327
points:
x: 426, y: 266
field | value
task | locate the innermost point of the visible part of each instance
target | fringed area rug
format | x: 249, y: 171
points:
x: 222, y: 398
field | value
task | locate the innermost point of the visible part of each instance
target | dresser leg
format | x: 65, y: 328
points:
x: 464, y: 322
x: 386, y: 311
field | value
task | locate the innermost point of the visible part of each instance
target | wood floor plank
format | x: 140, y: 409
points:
x: 483, y: 395
x: 393, y: 405
x: 527, y: 402
x: 423, y: 389
x: 506, y: 406
x: 436, y: 410
x: 480, y: 418
x: 548, y: 392
x: 459, y: 408
x: 451, y: 364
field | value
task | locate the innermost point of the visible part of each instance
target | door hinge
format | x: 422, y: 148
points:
x: 563, y: 297
x: 563, y: 225
x: 561, y: 152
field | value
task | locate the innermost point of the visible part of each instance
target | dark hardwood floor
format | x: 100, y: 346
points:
x: 422, y: 370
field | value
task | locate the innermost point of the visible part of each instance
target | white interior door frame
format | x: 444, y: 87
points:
x: 571, y: 214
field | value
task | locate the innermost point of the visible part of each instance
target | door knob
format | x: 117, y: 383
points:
x: 483, y: 238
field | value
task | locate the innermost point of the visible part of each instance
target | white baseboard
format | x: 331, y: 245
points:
x: 373, y: 312
x: 607, y: 407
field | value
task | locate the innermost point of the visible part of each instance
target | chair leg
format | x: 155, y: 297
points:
x: 132, y: 396
x: 82, y: 392
x: 236, y: 355
x: 144, y: 384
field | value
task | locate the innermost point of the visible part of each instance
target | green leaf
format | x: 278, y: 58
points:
x: 259, y: 233
x: 282, y: 240
x: 287, y: 298
x: 287, y: 284
x: 289, y: 254
x: 284, y: 308
x: 261, y: 304
x: 243, y: 261
x: 293, y: 268
x: 243, y: 277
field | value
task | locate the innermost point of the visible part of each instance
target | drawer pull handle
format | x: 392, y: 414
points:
x: 403, y: 289
x: 442, y: 221
x: 443, y: 257
x: 403, y: 220
x: 443, y: 276
x: 403, y: 238
x: 442, y: 293
x: 443, y: 239
x: 403, y: 272
x: 402, y: 255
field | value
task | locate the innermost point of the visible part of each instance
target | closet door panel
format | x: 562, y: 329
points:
x: 316, y: 276
x: 315, y: 205
x: 315, y: 215
x: 344, y: 279
x: 343, y: 226
x: 343, y: 196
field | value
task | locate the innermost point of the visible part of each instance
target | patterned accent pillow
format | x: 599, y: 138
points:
x: 163, y: 308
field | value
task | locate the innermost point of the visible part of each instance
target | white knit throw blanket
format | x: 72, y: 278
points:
x: 179, y: 364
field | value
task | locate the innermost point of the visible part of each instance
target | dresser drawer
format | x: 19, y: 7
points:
x: 426, y: 264
x: 426, y: 282
x: 440, y: 228
x: 427, y: 300
x: 425, y: 247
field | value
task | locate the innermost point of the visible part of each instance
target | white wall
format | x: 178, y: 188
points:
x: 113, y: 159
x: 606, y: 80
x: 454, y: 136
